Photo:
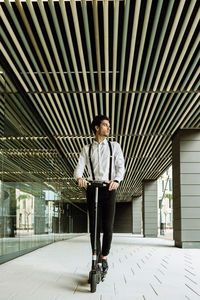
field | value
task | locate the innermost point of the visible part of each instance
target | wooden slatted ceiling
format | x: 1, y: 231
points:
x: 62, y: 62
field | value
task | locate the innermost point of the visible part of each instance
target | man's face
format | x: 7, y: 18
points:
x: 104, y: 128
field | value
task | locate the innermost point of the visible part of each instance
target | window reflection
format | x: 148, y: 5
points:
x: 25, y: 213
x: 32, y: 215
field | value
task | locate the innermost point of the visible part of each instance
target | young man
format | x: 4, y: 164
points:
x: 105, y: 163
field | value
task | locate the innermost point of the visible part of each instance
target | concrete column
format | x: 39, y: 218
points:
x: 150, y: 208
x: 186, y: 188
x: 137, y: 215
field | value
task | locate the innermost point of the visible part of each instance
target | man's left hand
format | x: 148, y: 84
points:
x: 112, y: 185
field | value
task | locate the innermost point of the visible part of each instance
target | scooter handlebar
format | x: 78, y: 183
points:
x: 97, y: 184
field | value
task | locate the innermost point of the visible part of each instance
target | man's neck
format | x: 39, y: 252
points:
x: 99, y: 138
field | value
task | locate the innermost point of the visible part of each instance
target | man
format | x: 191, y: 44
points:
x: 105, y: 163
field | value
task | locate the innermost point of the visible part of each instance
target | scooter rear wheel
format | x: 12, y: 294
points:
x: 93, y: 283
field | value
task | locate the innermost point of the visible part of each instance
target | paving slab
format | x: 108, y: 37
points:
x: 139, y: 269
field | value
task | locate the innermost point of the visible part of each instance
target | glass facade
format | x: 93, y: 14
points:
x: 35, y: 209
x: 32, y: 216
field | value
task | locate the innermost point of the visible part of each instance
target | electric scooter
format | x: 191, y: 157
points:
x: 96, y: 274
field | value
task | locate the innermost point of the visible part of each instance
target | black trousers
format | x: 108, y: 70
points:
x: 105, y: 220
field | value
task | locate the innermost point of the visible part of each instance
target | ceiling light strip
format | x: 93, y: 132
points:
x: 98, y: 54
x: 89, y: 51
x: 31, y: 143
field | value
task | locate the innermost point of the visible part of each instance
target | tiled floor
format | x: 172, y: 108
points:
x: 140, y: 268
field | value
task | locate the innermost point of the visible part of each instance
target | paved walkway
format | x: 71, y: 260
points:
x: 140, y: 268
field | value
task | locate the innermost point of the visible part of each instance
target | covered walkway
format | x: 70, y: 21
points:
x: 140, y: 268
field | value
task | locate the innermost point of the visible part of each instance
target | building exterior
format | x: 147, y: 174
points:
x: 165, y: 198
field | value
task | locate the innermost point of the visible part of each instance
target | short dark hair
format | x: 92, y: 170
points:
x: 97, y: 121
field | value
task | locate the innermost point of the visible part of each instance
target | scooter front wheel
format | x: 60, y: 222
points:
x: 93, y: 283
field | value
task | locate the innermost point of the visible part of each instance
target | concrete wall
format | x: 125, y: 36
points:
x: 137, y: 215
x: 150, y: 209
x: 123, y: 218
x: 186, y: 188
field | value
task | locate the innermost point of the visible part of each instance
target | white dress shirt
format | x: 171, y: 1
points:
x: 100, y: 157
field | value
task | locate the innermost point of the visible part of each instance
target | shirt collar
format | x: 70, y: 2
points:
x: 104, y: 142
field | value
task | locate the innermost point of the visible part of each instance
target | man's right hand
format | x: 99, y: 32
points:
x: 82, y: 182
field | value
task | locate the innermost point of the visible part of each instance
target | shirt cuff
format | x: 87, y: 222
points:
x: 116, y: 180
